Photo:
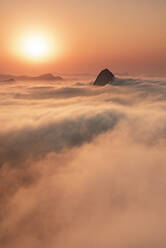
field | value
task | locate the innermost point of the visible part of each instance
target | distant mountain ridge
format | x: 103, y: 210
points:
x: 47, y: 77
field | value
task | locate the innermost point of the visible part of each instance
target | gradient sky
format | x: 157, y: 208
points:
x: 124, y: 35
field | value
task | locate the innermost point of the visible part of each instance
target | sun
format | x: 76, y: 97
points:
x: 36, y: 47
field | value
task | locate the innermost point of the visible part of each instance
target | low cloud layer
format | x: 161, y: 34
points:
x: 83, y: 166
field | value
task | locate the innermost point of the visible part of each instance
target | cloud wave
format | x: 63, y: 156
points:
x: 83, y: 166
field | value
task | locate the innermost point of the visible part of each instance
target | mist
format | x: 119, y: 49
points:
x: 83, y: 166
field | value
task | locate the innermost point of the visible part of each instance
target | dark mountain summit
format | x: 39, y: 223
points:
x: 104, y: 77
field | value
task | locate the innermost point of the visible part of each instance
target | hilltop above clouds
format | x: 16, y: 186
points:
x: 104, y: 77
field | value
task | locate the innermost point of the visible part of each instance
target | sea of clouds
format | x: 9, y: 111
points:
x: 83, y: 166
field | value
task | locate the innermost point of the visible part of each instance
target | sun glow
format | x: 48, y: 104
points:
x: 36, y: 47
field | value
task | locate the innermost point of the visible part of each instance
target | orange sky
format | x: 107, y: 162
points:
x: 85, y: 36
